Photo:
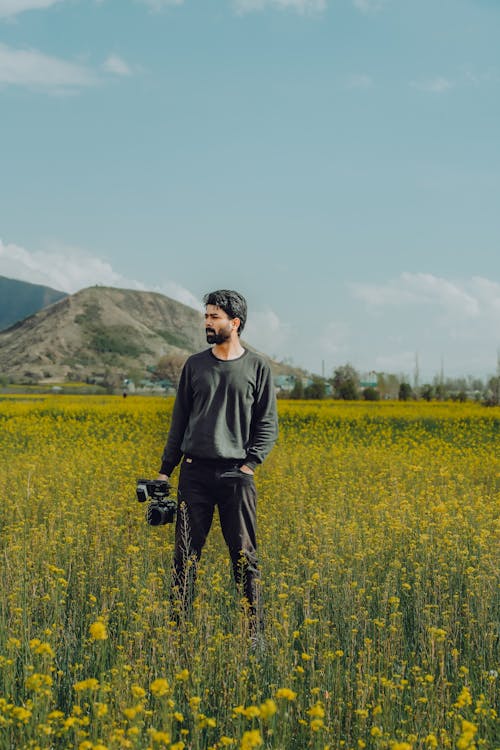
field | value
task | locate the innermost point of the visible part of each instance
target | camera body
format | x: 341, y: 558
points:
x: 161, y: 508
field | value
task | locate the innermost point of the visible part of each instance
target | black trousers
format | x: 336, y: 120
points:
x: 204, y: 484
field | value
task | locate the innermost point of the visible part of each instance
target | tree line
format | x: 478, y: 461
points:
x: 346, y: 384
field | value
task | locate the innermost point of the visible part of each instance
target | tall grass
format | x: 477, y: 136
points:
x: 379, y: 541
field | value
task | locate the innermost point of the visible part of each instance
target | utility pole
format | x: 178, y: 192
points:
x: 416, y: 374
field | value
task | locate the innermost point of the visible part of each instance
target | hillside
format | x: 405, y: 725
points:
x: 19, y: 299
x: 102, y: 334
x: 99, y: 333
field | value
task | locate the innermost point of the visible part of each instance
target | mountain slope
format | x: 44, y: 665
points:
x: 99, y: 330
x: 18, y: 299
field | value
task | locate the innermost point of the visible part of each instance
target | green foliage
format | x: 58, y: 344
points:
x: 371, y: 394
x: 427, y: 392
x: 405, y: 392
x: 115, y: 340
x: 298, y: 389
x: 175, y: 339
x: 316, y: 389
x: 345, y: 383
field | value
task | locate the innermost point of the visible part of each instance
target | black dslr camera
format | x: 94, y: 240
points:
x: 161, y: 508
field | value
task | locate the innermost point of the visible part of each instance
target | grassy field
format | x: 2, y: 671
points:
x: 379, y: 541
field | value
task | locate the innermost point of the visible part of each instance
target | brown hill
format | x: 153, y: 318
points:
x: 98, y: 332
x: 102, y: 334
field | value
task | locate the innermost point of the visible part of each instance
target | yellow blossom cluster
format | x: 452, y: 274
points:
x: 378, y: 544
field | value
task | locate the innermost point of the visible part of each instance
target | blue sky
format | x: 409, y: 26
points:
x: 337, y: 161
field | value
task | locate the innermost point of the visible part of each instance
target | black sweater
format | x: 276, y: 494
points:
x: 224, y: 409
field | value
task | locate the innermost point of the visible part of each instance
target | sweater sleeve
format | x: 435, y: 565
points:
x: 264, y: 421
x: 172, y: 453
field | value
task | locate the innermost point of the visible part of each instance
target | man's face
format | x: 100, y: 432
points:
x: 218, y: 325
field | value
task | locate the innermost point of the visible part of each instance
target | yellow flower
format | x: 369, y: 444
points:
x: 317, y: 711
x: 98, y: 631
x: 464, y: 699
x: 21, y: 714
x: 160, y: 737
x: 89, y: 684
x: 37, y: 682
x: 252, y: 712
x: 268, y: 709
x: 138, y: 691
x: 286, y: 693
x: 183, y: 675
x: 101, y: 709
x: 316, y: 725
x: 251, y: 739
x: 159, y: 687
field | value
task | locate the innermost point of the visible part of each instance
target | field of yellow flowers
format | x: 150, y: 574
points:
x: 379, y: 541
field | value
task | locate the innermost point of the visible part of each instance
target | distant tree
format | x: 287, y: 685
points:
x: 345, y: 383
x: 111, y: 381
x: 297, y: 391
x: 492, y: 395
x: 169, y: 367
x: 371, y: 394
x: 135, y: 375
x: 316, y: 389
x: 405, y: 392
x: 440, y: 391
x: 427, y: 392
x: 387, y: 385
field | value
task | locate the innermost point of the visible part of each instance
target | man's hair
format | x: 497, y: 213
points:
x: 233, y: 303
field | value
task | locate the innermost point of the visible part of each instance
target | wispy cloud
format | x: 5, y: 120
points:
x: 299, y: 6
x: 454, y: 319
x: 158, y: 5
x: 267, y: 332
x: 335, y: 338
x: 369, y: 6
x: 437, y: 85
x: 70, y: 269
x: 117, y: 65
x: 9, y: 8
x: 465, y: 300
x: 358, y: 81
x: 34, y: 69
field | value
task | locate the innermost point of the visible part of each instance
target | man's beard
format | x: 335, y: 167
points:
x: 217, y: 338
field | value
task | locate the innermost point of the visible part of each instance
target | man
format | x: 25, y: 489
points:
x: 224, y: 424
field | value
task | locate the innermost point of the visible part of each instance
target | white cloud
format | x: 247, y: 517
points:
x: 118, y: 66
x: 456, y: 299
x: 10, y: 8
x: 70, y: 269
x: 447, y: 320
x: 299, y: 6
x: 268, y: 333
x: 437, y: 85
x: 27, y: 67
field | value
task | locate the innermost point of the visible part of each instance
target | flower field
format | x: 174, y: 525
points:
x: 379, y: 537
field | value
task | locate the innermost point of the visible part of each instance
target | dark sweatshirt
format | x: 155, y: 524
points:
x: 223, y: 410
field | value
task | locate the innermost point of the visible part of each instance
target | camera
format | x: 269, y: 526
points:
x: 161, y: 508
